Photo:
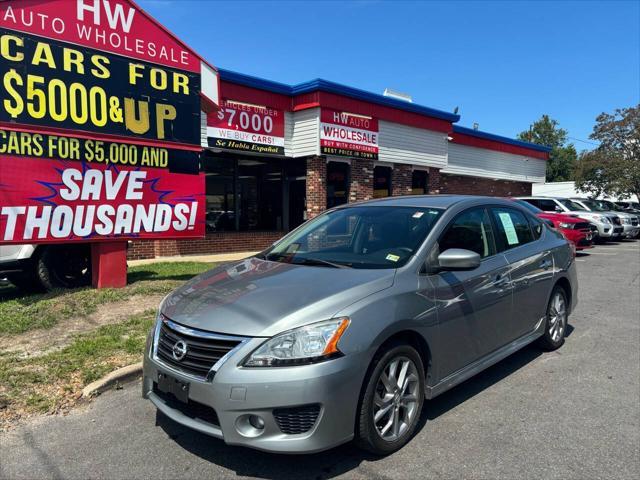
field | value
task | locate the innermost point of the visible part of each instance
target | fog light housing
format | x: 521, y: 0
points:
x: 250, y: 425
x: 256, y: 422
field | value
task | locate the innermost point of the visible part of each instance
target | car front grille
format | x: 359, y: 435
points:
x: 582, y: 226
x: 297, y: 419
x: 615, y: 220
x: 204, y: 349
x: 634, y: 221
x: 192, y: 409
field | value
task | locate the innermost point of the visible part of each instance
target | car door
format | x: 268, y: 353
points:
x: 520, y: 238
x: 474, y: 307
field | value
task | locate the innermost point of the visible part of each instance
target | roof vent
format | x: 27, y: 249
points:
x: 388, y: 92
x: 476, y: 126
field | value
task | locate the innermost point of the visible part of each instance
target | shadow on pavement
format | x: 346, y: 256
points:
x: 247, y: 462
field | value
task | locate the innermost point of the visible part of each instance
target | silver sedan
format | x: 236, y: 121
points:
x: 344, y: 327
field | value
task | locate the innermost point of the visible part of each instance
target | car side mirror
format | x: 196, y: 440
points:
x: 458, y: 259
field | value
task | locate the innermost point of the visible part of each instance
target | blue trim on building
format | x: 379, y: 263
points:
x: 497, y: 138
x: 331, y: 87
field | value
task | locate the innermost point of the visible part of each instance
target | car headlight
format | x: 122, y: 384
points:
x: 626, y: 221
x: 566, y: 225
x: 300, y: 346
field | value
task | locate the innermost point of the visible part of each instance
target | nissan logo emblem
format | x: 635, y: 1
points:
x: 179, y: 350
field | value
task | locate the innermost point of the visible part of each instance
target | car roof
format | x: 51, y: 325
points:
x: 431, y: 201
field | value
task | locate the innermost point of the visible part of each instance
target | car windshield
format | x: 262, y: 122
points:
x: 595, y: 206
x: 532, y: 208
x: 357, y: 237
x: 571, y: 205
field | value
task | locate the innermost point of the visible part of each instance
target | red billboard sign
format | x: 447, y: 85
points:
x: 246, y: 127
x: 115, y: 26
x: 348, y: 135
x: 65, y: 201
x: 96, y: 98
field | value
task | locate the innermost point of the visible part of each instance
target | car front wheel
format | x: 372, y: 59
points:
x: 391, y: 401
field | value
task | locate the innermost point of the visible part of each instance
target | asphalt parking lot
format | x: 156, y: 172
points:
x: 574, y: 413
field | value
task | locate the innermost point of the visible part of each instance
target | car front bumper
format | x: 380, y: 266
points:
x: 630, y: 231
x: 236, y: 392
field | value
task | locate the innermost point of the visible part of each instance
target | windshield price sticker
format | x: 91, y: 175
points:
x: 509, y: 229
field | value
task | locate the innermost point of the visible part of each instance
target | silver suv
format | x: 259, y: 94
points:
x: 341, y: 329
x: 608, y: 224
x: 630, y: 221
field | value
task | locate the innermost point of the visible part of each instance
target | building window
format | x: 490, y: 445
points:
x: 337, y: 183
x: 420, y: 182
x: 381, y: 182
x: 252, y: 193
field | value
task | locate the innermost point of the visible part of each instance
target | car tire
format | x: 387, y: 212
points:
x: 556, y: 321
x: 64, y: 266
x: 402, y: 400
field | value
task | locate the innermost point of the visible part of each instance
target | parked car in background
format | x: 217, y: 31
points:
x: 341, y: 329
x: 629, y: 206
x: 609, y: 225
x: 629, y: 221
x: 575, y: 229
x: 46, y: 267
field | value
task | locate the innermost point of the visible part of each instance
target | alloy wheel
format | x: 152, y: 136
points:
x: 396, y: 398
x: 557, y: 317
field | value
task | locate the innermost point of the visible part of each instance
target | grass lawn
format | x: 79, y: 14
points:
x: 20, y: 313
x: 54, y: 381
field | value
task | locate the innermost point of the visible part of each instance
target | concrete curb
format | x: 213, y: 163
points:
x: 118, y: 376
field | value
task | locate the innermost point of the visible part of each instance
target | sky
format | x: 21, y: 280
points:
x: 504, y: 63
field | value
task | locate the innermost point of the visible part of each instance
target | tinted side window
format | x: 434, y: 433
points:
x: 547, y: 205
x: 471, y: 230
x: 512, y: 228
x: 536, y: 227
x: 534, y: 202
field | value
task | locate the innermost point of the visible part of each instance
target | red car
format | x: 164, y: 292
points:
x: 577, y: 230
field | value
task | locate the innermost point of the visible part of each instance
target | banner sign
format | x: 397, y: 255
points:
x: 245, y: 127
x: 54, y: 84
x: 74, y: 201
x: 348, y: 135
x: 100, y: 124
x: 114, y: 26
x: 43, y: 145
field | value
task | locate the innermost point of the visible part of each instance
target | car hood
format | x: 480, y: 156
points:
x: 560, y: 217
x: 258, y: 298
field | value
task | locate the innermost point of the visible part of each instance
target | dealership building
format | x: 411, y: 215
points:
x: 276, y: 155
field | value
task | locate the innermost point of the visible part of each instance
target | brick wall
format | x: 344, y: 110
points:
x: 435, y: 178
x: 361, y: 187
x: 316, y: 186
x: 401, y: 180
x: 222, y: 242
x: 459, y: 184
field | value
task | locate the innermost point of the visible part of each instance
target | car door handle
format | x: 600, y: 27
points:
x: 501, y: 281
x: 545, y: 264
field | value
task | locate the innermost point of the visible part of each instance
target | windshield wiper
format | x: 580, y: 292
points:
x: 318, y: 261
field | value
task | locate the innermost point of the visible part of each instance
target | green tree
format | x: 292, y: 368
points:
x: 563, y: 156
x: 613, y: 168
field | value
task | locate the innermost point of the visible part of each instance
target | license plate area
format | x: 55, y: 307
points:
x: 178, y: 388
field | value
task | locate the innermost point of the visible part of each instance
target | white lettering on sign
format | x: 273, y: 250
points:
x: 115, y: 15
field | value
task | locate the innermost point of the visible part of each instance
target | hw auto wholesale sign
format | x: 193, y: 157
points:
x: 99, y: 125
x: 348, y: 135
x: 248, y: 128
